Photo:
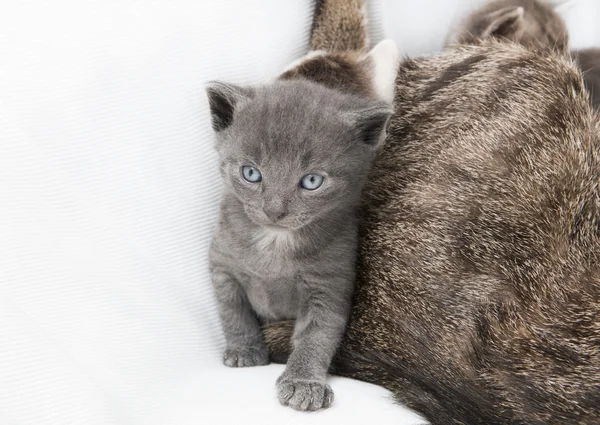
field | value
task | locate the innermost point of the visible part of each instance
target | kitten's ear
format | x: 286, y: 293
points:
x: 371, y: 123
x: 223, y: 98
x: 503, y: 22
x: 382, y: 65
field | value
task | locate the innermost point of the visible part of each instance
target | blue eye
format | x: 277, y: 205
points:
x: 251, y: 174
x: 311, y: 181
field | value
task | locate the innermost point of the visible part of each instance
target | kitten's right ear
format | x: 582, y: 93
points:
x: 371, y: 123
x: 223, y: 98
x: 503, y: 22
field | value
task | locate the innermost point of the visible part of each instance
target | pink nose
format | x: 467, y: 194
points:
x: 275, y: 213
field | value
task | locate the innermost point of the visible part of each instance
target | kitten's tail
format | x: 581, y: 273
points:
x: 340, y: 26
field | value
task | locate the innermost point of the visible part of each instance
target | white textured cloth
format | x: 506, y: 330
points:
x: 109, y: 191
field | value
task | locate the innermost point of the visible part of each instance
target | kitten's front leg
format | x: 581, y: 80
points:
x: 318, y: 332
x: 245, y: 344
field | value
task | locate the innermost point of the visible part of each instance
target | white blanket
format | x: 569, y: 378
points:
x: 109, y: 192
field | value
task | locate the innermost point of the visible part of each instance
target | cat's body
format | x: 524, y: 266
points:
x: 482, y: 235
x: 271, y: 264
x: 478, y: 283
x: 294, y: 157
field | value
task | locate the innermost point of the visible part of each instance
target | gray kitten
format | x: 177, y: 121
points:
x: 294, y: 158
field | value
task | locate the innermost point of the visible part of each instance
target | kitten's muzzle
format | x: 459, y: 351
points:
x: 275, y: 214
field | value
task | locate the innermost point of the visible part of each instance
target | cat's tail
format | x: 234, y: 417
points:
x: 340, y: 57
x: 445, y: 401
x: 278, y: 337
x: 340, y: 26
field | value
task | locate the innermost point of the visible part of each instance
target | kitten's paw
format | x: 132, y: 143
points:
x: 301, y: 394
x: 246, y: 356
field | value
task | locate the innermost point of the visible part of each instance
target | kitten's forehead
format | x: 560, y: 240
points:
x: 300, y: 100
x: 295, y: 120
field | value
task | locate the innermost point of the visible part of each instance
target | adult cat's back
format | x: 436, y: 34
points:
x: 480, y: 246
x: 478, y: 280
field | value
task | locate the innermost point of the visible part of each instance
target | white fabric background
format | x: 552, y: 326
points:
x: 108, y: 195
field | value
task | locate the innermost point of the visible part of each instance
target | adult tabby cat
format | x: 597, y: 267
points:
x: 478, y: 277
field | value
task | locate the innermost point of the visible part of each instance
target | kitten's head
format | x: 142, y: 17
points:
x: 294, y: 150
x: 531, y: 23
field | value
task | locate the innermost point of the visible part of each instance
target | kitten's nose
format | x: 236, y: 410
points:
x: 275, y: 213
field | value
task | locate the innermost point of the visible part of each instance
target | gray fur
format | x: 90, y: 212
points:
x: 300, y: 266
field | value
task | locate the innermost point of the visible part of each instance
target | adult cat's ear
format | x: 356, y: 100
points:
x: 382, y: 67
x: 371, y: 123
x: 503, y: 22
x: 223, y: 98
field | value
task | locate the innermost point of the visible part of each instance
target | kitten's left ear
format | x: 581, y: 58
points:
x: 371, y: 123
x: 382, y: 66
x: 223, y: 98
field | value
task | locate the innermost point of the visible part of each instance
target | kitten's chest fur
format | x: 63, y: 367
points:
x: 269, y: 254
x: 269, y: 272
